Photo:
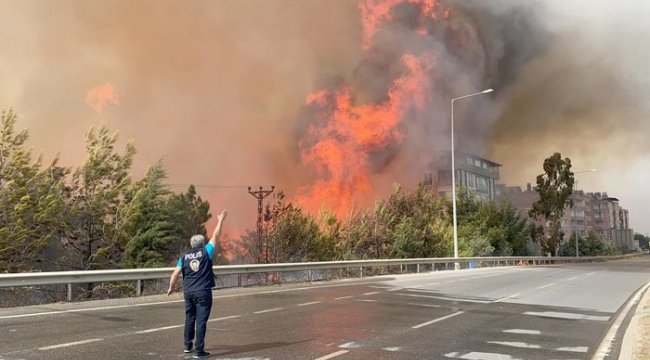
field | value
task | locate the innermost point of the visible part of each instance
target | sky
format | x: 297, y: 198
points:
x: 221, y: 91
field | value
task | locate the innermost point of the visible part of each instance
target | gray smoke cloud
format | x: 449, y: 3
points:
x: 217, y: 88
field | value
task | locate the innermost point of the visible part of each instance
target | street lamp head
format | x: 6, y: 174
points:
x: 487, y: 91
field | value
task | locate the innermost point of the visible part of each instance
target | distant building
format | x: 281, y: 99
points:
x: 591, y: 213
x: 474, y: 173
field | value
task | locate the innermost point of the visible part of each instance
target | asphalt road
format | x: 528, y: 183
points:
x: 544, y: 312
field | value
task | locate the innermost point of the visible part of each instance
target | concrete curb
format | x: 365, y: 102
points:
x: 636, y: 344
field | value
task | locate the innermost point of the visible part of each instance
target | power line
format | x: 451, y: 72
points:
x: 216, y: 186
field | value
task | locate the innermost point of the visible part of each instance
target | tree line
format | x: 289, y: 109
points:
x: 93, y: 216
x: 97, y: 216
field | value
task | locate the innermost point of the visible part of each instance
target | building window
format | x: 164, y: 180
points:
x: 471, y: 180
x: 469, y: 161
x: 481, y: 184
x: 477, y: 163
x: 485, y: 165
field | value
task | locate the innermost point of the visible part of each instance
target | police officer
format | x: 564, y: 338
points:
x: 196, y: 266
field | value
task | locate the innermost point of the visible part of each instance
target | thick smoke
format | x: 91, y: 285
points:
x: 217, y: 88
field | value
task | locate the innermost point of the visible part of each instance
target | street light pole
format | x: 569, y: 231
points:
x: 453, y: 172
x: 575, y: 228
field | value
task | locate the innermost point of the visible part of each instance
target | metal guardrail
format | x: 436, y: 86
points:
x: 97, y: 276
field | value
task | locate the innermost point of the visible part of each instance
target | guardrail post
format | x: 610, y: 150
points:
x: 361, y: 271
x: 239, y: 280
x: 69, y: 292
x: 138, y: 287
x: 309, y: 275
x: 418, y: 268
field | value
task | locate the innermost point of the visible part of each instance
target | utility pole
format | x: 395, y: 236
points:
x: 260, y: 195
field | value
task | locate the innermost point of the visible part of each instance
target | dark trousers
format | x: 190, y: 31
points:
x: 197, y: 311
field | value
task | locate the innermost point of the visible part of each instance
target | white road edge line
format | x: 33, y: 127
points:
x: 606, y: 345
x: 268, y: 310
x: 332, y: 355
x: 436, y: 320
x: 69, y: 344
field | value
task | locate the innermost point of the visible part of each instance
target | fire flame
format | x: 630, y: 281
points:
x: 344, y: 134
x: 339, y: 148
x: 374, y: 12
x: 99, y: 97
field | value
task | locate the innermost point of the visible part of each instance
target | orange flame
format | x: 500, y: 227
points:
x: 339, y: 149
x: 99, y: 97
x: 373, y: 12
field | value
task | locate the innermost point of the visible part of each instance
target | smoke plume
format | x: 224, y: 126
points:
x: 224, y: 91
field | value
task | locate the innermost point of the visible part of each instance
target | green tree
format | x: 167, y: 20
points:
x: 95, y: 203
x: 190, y: 214
x: 148, y: 226
x: 291, y: 234
x: 31, y: 199
x: 589, y: 246
x: 554, y: 187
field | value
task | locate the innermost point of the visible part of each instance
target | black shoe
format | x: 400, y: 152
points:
x: 201, y: 355
x: 187, y: 351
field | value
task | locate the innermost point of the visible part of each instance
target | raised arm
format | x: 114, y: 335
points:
x: 217, y: 229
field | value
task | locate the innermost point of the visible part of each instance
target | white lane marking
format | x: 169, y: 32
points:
x: 436, y: 320
x: 522, y: 331
x: 332, y: 355
x: 178, y: 326
x: 395, y: 289
x: 224, y: 318
x: 572, y: 278
x: 69, y: 344
x: 445, y: 298
x: 367, y: 300
x: 344, y: 297
x: 545, y: 286
x: 391, y: 348
x: 268, y: 310
x: 589, y: 274
x: 350, y: 345
x: 310, y: 303
x: 425, y: 305
x: 606, y: 345
x: 371, y: 293
x: 580, y: 349
x: 570, y: 316
x: 517, y: 344
x: 506, y: 298
x: 158, y: 329
x: 480, y: 356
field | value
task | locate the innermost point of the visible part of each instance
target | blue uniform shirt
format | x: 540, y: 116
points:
x: 196, y: 265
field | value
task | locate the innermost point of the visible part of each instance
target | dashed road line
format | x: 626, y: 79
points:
x: 310, y: 303
x: 522, y: 331
x: 371, y: 293
x: 580, y: 349
x: 474, y: 355
x: 268, y: 310
x: 159, y: 329
x: 516, y: 344
x: 344, y: 297
x: 573, y: 278
x: 437, y: 320
x: 569, y: 316
x: 69, y: 344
